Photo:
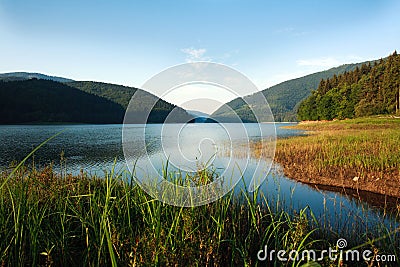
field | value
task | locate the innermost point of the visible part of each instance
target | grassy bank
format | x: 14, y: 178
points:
x: 46, y: 219
x: 361, y: 154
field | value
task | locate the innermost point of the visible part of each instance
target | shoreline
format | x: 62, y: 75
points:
x: 358, y: 154
x: 375, y: 200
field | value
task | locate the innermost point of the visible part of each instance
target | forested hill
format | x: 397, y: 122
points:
x: 47, y: 101
x: 122, y: 95
x: 283, y: 98
x: 20, y: 76
x: 117, y: 93
x: 368, y: 90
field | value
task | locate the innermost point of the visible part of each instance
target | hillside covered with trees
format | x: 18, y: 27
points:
x: 117, y: 93
x: 367, y: 90
x: 47, y: 101
x: 157, y: 109
x: 21, y: 76
x: 39, y: 101
x: 283, y: 98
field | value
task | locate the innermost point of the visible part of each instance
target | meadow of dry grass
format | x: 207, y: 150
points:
x: 361, y: 154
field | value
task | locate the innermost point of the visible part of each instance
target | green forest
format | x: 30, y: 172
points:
x: 117, y: 93
x: 371, y: 89
x: 39, y: 101
x: 347, y: 91
x: 158, y: 110
x: 46, y: 101
x: 283, y: 98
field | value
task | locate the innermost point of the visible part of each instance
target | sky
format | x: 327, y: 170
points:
x: 127, y: 42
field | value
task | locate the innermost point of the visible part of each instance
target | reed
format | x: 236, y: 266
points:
x: 49, y: 219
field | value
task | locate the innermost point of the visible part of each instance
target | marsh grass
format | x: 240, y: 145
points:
x: 49, y: 219
x: 46, y: 219
x: 361, y: 154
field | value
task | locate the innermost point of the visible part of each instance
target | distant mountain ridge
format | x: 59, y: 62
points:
x: 47, y: 101
x: 198, y: 113
x: 18, y: 76
x: 283, y: 98
x: 199, y: 117
x: 122, y: 96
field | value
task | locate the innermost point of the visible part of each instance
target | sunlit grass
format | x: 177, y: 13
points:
x: 49, y: 219
x: 360, y: 154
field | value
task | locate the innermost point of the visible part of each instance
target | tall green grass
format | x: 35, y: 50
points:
x: 49, y: 219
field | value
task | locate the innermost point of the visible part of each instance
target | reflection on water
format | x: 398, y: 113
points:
x: 94, y: 148
x: 87, y: 147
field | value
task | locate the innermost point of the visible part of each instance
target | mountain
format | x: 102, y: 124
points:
x: 144, y: 102
x: 197, y: 113
x: 116, y: 93
x: 283, y: 98
x: 43, y: 101
x: 369, y: 90
x: 199, y: 117
x: 46, y: 101
x: 19, y: 76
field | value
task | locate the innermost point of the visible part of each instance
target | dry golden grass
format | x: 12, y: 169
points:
x: 361, y: 154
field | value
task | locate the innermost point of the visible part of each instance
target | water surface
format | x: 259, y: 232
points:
x: 95, y: 149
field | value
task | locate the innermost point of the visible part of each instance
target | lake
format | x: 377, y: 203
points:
x: 97, y: 148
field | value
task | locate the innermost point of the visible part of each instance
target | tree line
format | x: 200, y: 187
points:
x: 46, y: 101
x: 367, y: 90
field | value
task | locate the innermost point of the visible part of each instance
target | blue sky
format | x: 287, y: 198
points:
x: 126, y: 42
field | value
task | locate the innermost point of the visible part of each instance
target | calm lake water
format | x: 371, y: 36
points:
x: 95, y: 149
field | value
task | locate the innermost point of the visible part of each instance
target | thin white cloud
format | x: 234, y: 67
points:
x: 355, y: 58
x: 280, y: 77
x: 193, y: 54
x: 228, y: 55
x: 319, y: 62
x: 285, y: 30
x: 291, y: 31
x: 328, y: 62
